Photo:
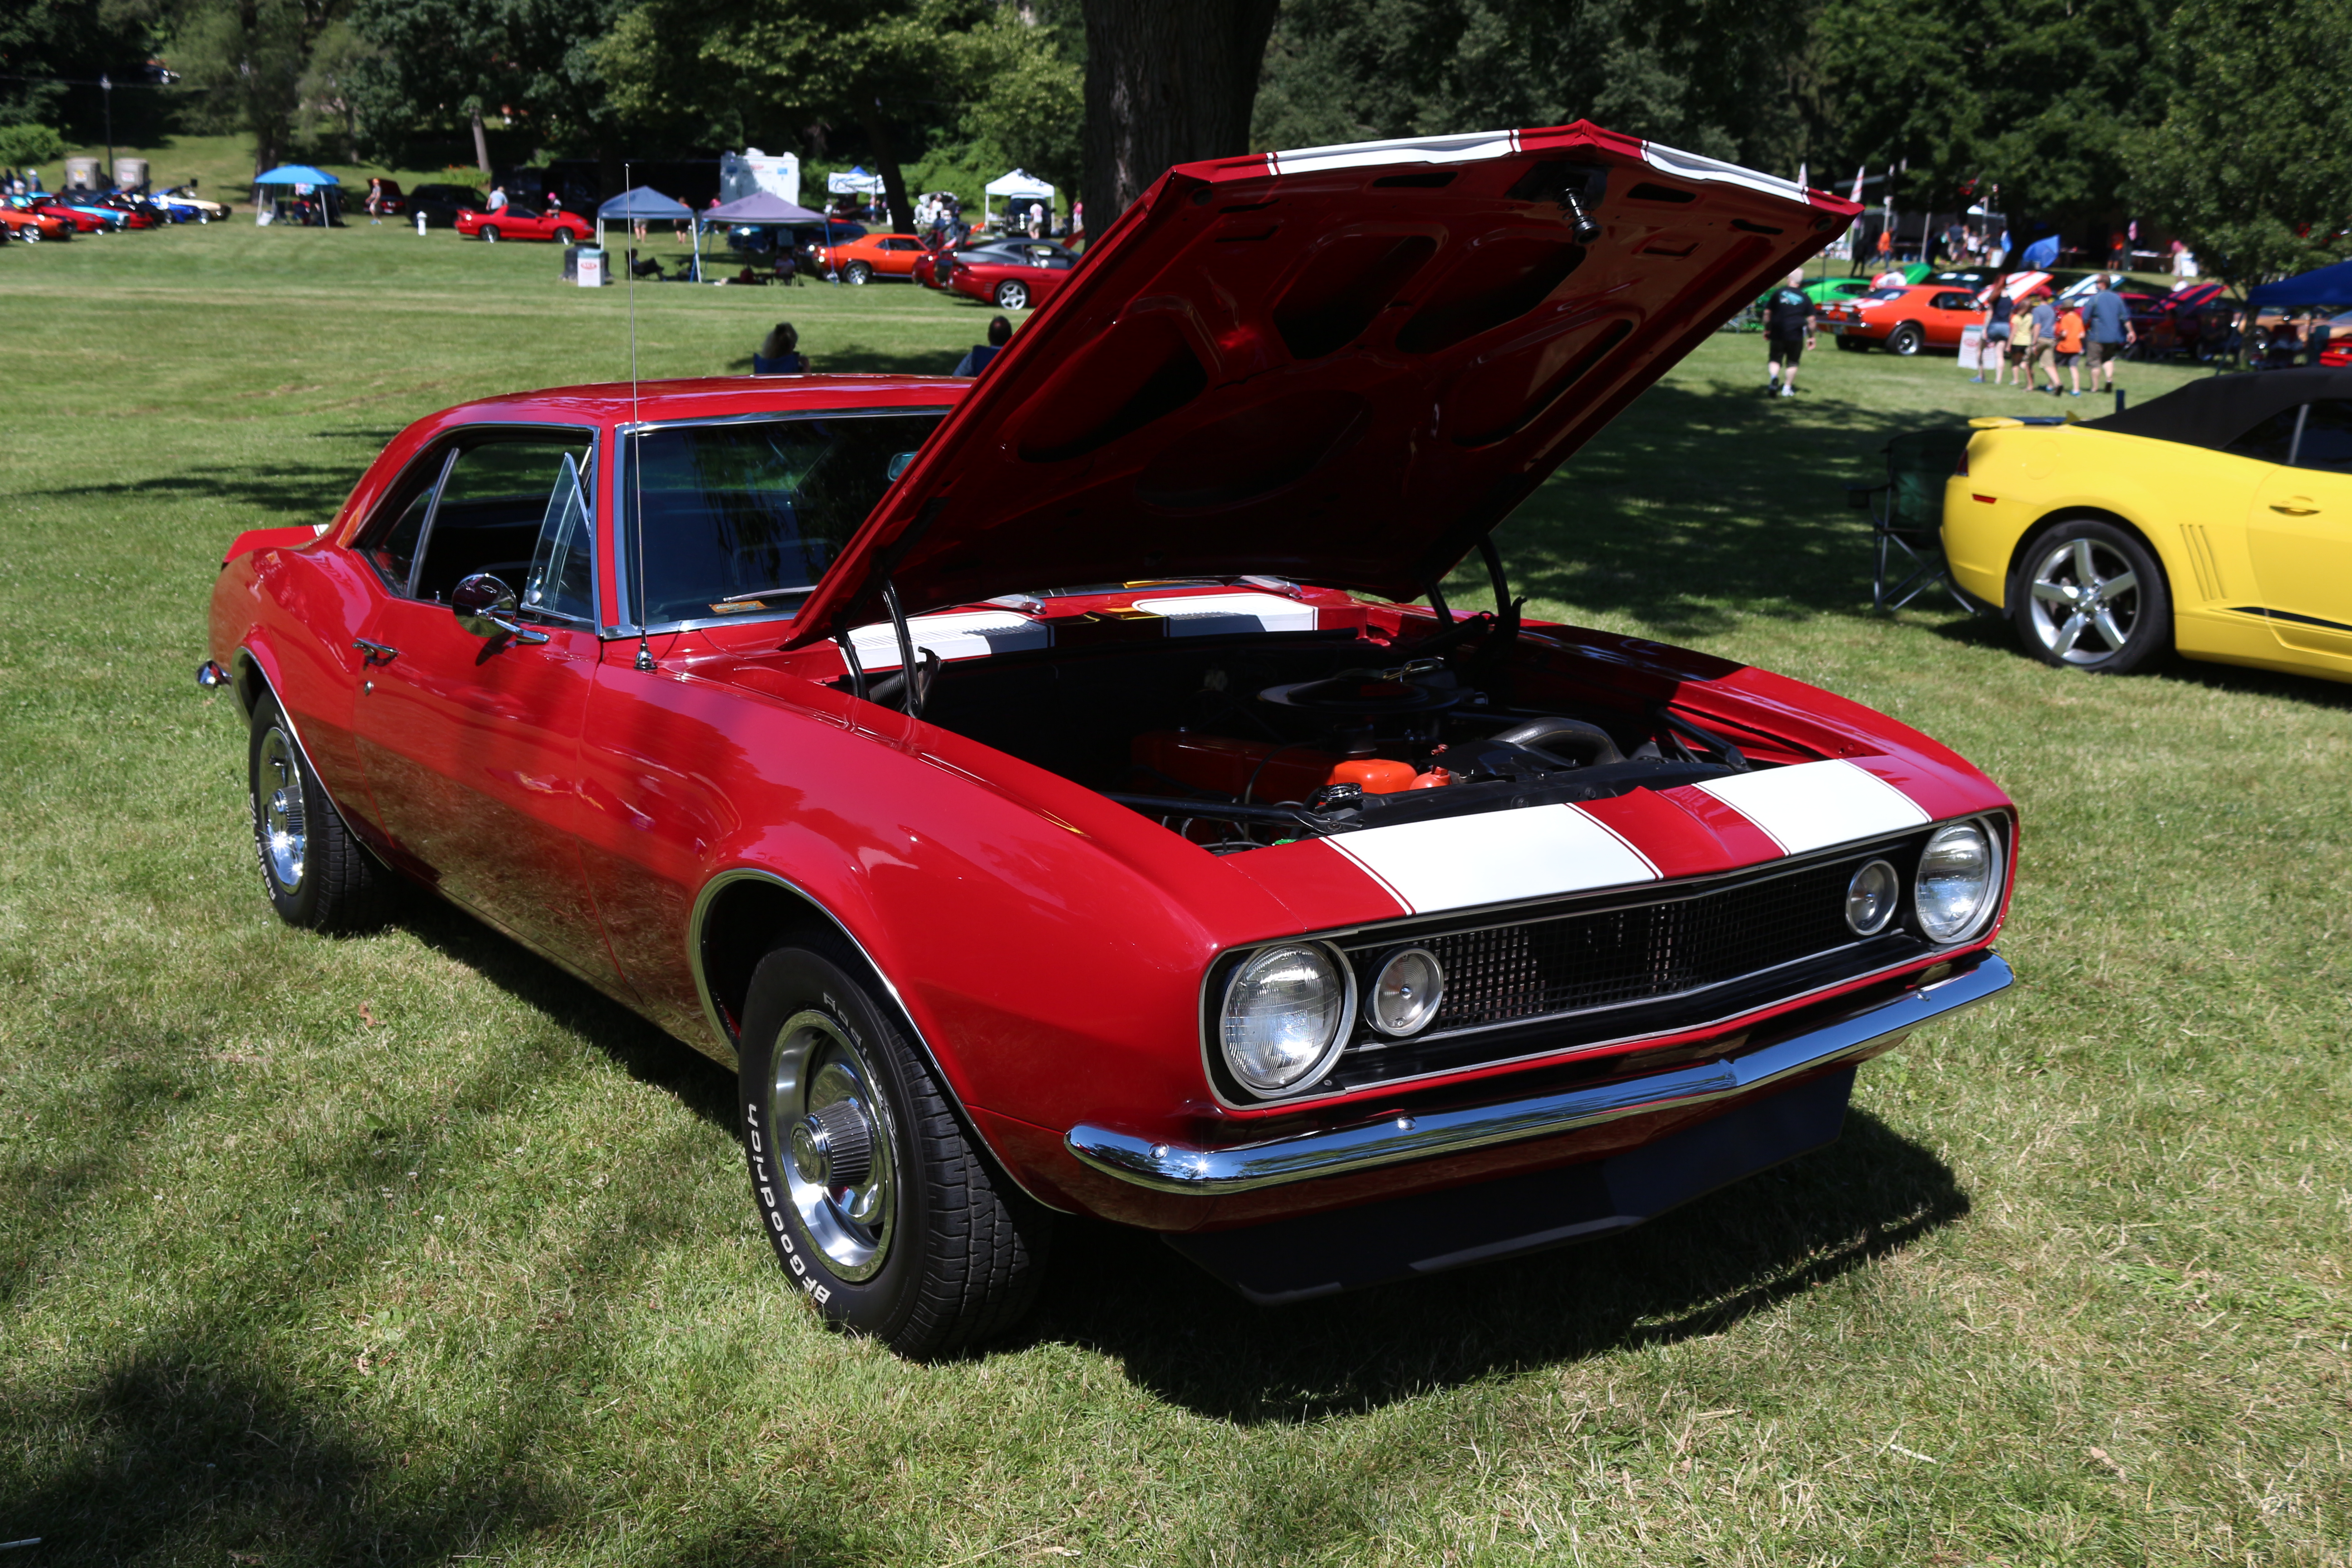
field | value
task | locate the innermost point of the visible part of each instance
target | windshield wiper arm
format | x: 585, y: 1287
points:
x: 765, y: 594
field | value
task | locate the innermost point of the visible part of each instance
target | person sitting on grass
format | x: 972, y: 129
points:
x: 779, y: 353
x: 1000, y: 332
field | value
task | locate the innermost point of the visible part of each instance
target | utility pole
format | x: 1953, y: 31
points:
x: 106, y: 95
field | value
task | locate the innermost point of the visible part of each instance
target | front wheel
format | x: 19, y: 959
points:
x: 1012, y: 296
x: 2091, y: 597
x: 567, y: 236
x: 880, y: 1204
x: 29, y: 236
x: 1907, y: 340
x: 315, y: 872
x: 856, y: 272
x: 489, y: 234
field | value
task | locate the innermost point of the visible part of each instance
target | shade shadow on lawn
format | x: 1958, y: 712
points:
x: 1702, y: 503
x: 1694, y: 1272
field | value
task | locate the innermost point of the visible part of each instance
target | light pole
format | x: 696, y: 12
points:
x: 106, y: 95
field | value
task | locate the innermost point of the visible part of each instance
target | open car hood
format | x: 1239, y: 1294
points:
x: 1343, y: 365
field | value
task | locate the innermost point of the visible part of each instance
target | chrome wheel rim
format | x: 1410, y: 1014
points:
x: 837, y: 1145
x: 278, y: 786
x: 2085, y: 602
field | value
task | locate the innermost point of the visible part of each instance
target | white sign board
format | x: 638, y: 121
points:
x: 591, y: 268
x: 778, y: 173
x: 1976, y: 355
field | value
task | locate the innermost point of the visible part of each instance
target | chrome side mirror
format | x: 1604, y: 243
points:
x: 485, y: 607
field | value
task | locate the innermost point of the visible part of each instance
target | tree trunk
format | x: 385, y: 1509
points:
x: 886, y: 161
x: 1168, y: 81
x: 481, y: 146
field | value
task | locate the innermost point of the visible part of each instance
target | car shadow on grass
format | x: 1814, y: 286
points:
x: 308, y: 493
x: 1699, y: 1270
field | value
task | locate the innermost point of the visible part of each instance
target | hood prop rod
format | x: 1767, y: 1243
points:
x: 912, y: 675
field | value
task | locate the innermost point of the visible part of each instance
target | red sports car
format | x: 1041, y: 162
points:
x: 24, y: 223
x: 514, y: 222
x: 1904, y: 320
x: 81, y: 219
x: 1227, y: 894
x: 1014, y: 283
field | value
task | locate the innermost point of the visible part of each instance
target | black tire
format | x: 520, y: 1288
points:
x: 1848, y: 345
x: 857, y: 272
x: 928, y: 1246
x: 1012, y: 296
x: 1907, y: 340
x: 30, y: 235
x: 315, y: 874
x: 489, y: 232
x: 2113, y: 631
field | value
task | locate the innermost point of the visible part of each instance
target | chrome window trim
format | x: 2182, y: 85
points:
x: 450, y: 441
x: 619, y: 624
x: 1387, y: 932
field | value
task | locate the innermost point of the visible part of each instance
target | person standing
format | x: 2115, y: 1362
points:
x: 1997, y: 324
x: 497, y: 199
x: 2106, y: 330
x: 375, y: 201
x: 2044, y: 352
x: 1886, y: 251
x: 1788, y: 333
x: 2070, y: 345
x: 2021, y: 347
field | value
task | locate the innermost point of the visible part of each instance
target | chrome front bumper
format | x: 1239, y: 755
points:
x: 1243, y: 1167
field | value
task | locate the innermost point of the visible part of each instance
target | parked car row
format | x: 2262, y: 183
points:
x: 38, y: 215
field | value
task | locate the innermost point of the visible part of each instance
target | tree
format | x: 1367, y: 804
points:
x: 2042, y: 97
x: 52, y: 53
x: 1710, y: 76
x: 442, y: 61
x: 787, y: 62
x: 1024, y: 72
x: 2253, y: 163
x: 253, y: 56
x: 1168, y: 81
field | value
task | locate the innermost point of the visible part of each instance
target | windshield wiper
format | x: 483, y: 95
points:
x: 765, y: 594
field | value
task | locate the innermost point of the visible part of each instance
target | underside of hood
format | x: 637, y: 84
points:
x: 1342, y: 367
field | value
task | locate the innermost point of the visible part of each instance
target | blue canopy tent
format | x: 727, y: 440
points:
x: 765, y: 209
x: 2042, y: 254
x: 643, y: 204
x: 2322, y: 286
x: 302, y: 179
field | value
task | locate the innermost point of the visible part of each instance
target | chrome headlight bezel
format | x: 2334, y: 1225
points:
x: 1342, y: 1027
x: 1892, y: 907
x: 1988, y: 901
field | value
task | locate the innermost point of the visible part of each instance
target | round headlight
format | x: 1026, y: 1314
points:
x: 1406, y: 993
x: 1869, y: 898
x: 1956, y: 881
x: 1284, y: 1012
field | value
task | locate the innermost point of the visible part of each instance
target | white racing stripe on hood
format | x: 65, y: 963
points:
x: 1494, y: 858
x: 973, y: 635
x: 1203, y: 614
x: 1810, y: 806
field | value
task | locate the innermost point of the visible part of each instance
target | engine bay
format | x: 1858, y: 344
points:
x: 1240, y: 743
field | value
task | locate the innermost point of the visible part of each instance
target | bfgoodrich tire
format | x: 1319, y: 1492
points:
x: 315, y: 873
x: 2091, y: 596
x: 881, y: 1206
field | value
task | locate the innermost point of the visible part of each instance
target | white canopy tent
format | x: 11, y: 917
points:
x: 1019, y: 187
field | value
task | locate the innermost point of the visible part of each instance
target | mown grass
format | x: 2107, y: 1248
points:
x: 408, y: 1248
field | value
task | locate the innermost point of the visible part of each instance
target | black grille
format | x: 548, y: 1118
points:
x: 1612, y: 957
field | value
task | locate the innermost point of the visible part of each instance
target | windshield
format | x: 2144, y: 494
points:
x: 742, y: 518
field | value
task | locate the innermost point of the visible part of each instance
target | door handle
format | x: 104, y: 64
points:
x: 2296, y: 506
x: 372, y: 653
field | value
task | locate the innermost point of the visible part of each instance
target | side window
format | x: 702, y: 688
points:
x: 2272, y: 441
x: 501, y: 494
x: 1955, y: 302
x: 390, y: 545
x: 562, y: 580
x: 2326, y: 441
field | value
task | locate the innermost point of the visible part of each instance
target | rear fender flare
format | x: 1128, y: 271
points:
x: 2051, y: 519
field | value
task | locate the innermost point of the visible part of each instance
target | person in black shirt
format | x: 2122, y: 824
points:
x: 1788, y: 333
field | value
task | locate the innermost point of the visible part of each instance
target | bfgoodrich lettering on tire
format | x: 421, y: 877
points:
x: 317, y: 875
x: 881, y: 1208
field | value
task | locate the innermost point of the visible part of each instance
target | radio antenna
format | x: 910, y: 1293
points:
x: 636, y: 484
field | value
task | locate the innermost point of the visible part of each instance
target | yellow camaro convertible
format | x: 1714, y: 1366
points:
x: 2217, y: 518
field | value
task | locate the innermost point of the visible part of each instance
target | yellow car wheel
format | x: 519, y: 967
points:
x: 2090, y: 597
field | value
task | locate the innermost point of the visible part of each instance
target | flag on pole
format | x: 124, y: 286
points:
x: 1856, y: 197
x: 1803, y: 183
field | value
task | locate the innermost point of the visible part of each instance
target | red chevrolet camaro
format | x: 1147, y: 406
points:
x: 514, y: 222
x: 1014, y: 282
x: 1038, y: 792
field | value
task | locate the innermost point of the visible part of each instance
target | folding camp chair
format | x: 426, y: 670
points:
x: 1906, y: 515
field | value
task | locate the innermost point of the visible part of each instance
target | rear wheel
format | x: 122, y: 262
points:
x: 1012, y: 296
x: 1907, y: 340
x: 880, y: 1204
x: 2090, y: 597
x: 856, y: 272
x: 489, y: 234
x: 317, y: 875
x: 1848, y: 345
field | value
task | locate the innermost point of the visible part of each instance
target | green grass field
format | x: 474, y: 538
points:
x: 409, y: 1250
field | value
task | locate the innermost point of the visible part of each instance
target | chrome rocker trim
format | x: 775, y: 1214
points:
x: 1245, y: 1167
